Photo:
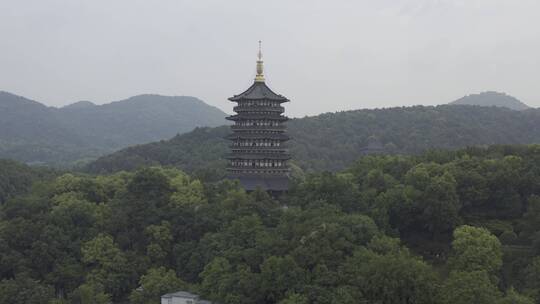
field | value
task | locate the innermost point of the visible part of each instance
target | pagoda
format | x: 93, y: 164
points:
x: 259, y: 156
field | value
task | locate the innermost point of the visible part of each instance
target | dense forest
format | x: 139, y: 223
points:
x: 34, y: 133
x: 342, y: 137
x: 17, y: 178
x: 442, y: 227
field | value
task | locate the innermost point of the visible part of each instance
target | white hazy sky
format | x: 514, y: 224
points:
x: 323, y: 55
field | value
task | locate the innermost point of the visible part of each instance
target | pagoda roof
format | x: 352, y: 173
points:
x: 258, y: 90
x: 257, y: 116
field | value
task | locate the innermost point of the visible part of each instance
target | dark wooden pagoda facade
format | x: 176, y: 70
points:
x: 259, y: 156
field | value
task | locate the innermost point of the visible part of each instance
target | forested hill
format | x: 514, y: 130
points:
x: 33, y: 133
x: 492, y: 99
x: 333, y: 141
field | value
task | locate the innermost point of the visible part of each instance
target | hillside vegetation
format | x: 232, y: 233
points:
x: 33, y: 133
x: 438, y: 228
x: 333, y: 141
x: 17, y: 178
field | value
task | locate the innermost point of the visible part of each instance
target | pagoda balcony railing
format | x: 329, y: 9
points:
x: 276, y: 156
x: 259, y: 170
x: 246, y: 128
x: 279, y: 109
x: 282, y: 148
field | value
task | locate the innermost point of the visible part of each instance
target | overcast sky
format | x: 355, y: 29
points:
x: 323, y: 55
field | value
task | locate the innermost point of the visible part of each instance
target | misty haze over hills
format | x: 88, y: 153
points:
x: 34, y: 133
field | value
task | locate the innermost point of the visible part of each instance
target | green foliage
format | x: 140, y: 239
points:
x: 513, y: 297
x: 463, y: 287
x: 280, y: 275
x: 391, y: 229
x: 532, y: 278
x: 294, y: 299
x: 90, y: 293
x: 107, y: 265
x: 17, y: 179
x: 387, y: 273
x: 24, y: 290
x: 475, y: 249
x: 155, y: 283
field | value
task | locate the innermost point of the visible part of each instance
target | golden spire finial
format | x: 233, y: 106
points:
x: 260, y: 75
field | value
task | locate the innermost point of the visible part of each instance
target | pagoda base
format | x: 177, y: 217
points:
x: 270, y: 183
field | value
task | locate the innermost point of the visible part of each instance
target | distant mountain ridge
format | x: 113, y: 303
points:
x: 80, y: 105
x: 490, y: 98
x: 34, y: 133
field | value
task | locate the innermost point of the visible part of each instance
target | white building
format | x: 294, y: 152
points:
x: 182, y: 297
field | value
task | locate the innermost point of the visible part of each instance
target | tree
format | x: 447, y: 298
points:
x: 108, y: 265
x: 476, y: 249
x: 144, y: 204
x: 90, y: 293
x: 160, y: 238
x: 441, y: 204
x: 25, y: 290
x: 280, y: 275
x: 155, y: 283
x: 238, y: 285
x: 532, y: 278
x: 215, y: 277
x: 464, y: 287
x: 294, y: 298
x: 513, y: 297
x: 338, y: 189
x: 391, y: 277
x: 433, y: 198
x: 531, y: 218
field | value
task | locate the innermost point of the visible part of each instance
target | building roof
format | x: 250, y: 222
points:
x: 181, y: 294
x: 258, y: 90
x: 245, y: 116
